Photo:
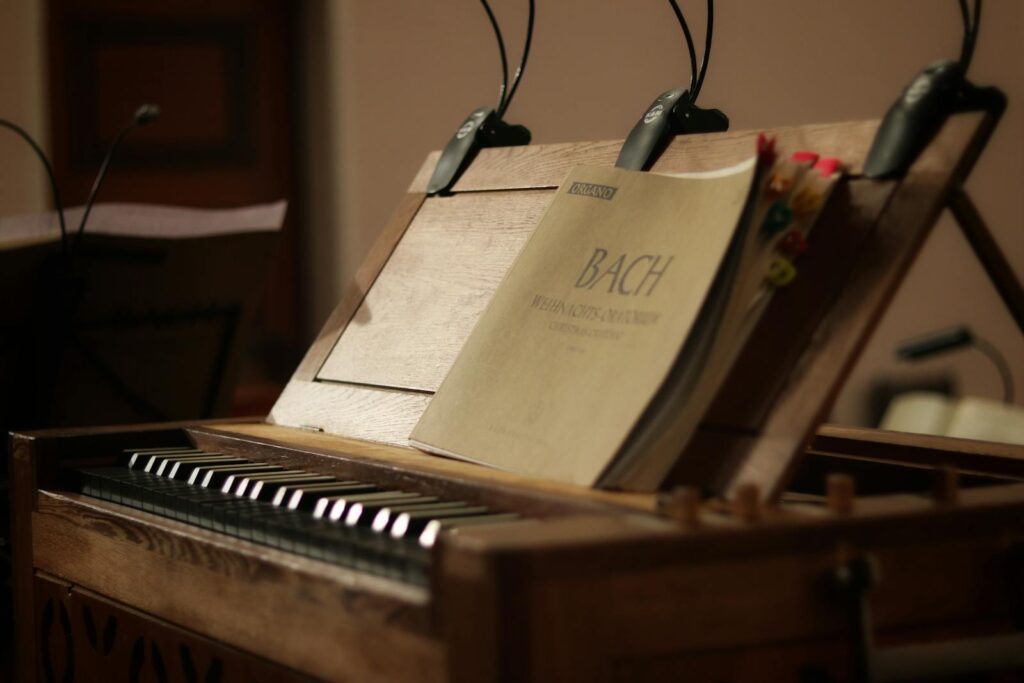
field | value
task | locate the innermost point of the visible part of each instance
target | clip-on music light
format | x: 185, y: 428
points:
x: 939, y: 91
x: 675, y: 111
x: 484, y: 127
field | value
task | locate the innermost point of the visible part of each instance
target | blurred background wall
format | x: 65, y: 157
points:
x: 23, y: 186
x: 382, y: 83
x: 399, y: 76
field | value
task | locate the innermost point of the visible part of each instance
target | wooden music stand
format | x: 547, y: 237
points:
x: 590, y: 585
x: 389, y: 343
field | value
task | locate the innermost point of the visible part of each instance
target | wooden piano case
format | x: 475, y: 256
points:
x: 922, y: 578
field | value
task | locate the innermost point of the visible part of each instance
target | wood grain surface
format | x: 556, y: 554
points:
x: 356, y: 290
x: 240, y: 593
x: 694, y: 598
x: 436, y: 284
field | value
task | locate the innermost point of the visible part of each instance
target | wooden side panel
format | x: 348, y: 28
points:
x: 23, y: 495
x: 37, y: 461
x: 84, y: 637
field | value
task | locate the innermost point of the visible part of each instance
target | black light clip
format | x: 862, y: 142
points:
x: 482, y: 128
x: 939, y: 91
x: 672, y: 113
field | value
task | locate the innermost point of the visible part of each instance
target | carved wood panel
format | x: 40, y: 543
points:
x: 83, y: 637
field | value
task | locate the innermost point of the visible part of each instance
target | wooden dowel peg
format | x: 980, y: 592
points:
x: 746, y: 504
x: 681, y: 504
x: 946, y: 489
x: 840, y: 492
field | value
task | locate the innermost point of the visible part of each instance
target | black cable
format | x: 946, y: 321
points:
x: 522, y: 61
x: 997, y: 358
x: 707, y: 51
x: 144, y: 116
x: 689, y: 43
x: 504, y: 58
x: 965, y: 60
x: 58, y: 205
x: 965, y: 17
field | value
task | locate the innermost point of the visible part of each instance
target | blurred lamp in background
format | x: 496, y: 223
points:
x: 952, y: 339
x: 967, y: 417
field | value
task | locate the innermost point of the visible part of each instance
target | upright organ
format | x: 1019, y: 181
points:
x: 317, y: 545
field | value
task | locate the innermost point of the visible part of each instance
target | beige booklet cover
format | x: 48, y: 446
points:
x: 588, y: 322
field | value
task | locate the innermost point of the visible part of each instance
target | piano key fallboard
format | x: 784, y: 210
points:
x: 372, y: 528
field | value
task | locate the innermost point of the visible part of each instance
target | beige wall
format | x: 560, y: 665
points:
x: 388, y: 81
x: 23, y: 187
x: 392, y: 79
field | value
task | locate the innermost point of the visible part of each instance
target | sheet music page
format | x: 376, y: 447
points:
x: 587, y: 323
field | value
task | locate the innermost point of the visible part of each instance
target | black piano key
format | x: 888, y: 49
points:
x: 414, y: 566
x: 157, y: 463
x: 351, y: 523
x: 408, y: 525
x: 297, y: 532
x: 266, y: 490
x: 384, y: 515
x: 333, y: 508
x: 135, y: 458
x: 159, y: 495
x: 213, y: 476
x: 239, y: 484
x: 181, y: 469
x: 379, y: 552
x: 240, y: 518
x: 132, y: 488
x: 200, y: 506
x: 305, y: 496
x: 99, y: 482
x: 364, y: 513
x: 428, y: 537
x: 206, y: 476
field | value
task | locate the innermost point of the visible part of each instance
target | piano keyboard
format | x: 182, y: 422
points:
x: 346, y: 522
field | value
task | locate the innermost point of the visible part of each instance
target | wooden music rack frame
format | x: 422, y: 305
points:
x: 386, y: 347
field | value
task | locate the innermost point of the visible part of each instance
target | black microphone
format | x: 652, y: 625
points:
x: 58, y: 205
x: 144, y: 115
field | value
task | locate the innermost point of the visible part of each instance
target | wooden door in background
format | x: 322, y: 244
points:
x: 221, y: 73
